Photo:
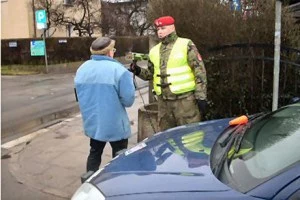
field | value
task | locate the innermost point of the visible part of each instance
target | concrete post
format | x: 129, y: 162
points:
x: 147, y: 121
x: 276, y: 54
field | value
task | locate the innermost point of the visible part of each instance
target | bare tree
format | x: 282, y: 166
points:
x: 82, y: 16
x: 211, y: 23
x: 49, y: 7
x: 124, y: 17
x: 139, y: 20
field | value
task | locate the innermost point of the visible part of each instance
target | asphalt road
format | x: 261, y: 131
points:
x: 31, y: 102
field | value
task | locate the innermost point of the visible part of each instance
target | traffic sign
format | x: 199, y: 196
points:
x: 236, y: 5
x: 37, y: 48
x: 41, y: 19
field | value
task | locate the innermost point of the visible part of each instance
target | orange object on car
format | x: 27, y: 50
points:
x: 239, y: 120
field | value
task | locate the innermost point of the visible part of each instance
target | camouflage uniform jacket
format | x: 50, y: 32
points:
x: 195, y: 62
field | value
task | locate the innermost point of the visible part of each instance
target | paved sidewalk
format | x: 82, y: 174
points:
x: 55, y: 158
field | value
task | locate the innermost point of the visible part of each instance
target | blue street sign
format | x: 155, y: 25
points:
x: 37, y: 48
x: 236, y: 5
x: 41, y: 19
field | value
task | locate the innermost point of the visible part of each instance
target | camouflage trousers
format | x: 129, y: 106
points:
x: 172, y: 113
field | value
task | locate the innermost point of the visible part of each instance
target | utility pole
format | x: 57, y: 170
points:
x: 34, y: 20
x: 276, y: 54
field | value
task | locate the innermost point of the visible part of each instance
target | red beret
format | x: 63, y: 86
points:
x: 164, y: 21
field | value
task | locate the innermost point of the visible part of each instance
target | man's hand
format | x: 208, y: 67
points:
x: 134, y: 68
x: 202, y: 105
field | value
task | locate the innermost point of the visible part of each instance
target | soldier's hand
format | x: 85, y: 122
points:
x: 202, y: 105
x: 134, y: 68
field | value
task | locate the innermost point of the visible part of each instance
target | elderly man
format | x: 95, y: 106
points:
x: 104, y: 88
x: 179, y: 77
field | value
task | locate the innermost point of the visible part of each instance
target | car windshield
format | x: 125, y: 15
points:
x: 268, y: 148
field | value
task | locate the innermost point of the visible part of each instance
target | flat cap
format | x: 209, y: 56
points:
x: 102, y: 45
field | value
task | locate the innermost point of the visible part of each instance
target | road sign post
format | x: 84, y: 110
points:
x: 41, y: 23
x: 41, y: 19
x: 276, y: 55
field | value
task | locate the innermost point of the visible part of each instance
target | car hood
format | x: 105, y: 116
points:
x: 173, y: 160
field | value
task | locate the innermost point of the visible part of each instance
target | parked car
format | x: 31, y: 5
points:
x: 255, y: 157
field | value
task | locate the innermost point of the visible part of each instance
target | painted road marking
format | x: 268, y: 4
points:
x: 30, y: 136
x: 23, y: 139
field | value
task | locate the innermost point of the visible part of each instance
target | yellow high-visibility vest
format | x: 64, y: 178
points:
x: 179, y: 73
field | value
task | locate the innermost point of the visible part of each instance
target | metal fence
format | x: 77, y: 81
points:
x: 240, y: 78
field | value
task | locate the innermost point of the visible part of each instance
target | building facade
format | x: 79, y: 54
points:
x: 18, y: 20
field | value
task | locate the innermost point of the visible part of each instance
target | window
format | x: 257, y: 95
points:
x: 68, y: 2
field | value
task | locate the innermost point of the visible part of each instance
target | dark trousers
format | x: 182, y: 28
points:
x: 96, y: 150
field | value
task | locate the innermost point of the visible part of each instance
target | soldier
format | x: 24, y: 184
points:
x: 179, y: 77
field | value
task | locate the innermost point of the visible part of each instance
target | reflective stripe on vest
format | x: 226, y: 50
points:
x: 180, y: 74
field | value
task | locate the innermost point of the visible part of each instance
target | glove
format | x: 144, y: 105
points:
x: 202, y: 105
x: 134, y: 68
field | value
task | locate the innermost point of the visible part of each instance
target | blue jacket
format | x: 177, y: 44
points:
x: 104, y: 88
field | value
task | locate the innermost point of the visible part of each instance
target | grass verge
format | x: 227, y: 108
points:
x: 21, y: 69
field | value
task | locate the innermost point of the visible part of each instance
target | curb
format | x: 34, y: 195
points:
x: 22, y: 128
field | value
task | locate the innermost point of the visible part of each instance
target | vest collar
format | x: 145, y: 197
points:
x: 170, y: 38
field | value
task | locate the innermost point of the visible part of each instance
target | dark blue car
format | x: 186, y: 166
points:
x: 253, y: 158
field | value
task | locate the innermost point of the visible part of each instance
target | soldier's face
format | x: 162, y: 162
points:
x: 164, y: 31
